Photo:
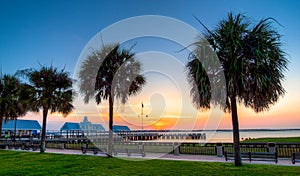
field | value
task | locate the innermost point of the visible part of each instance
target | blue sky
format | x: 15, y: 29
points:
x: 55, y: 31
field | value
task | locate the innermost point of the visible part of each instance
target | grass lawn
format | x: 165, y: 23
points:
x: 286, y: 139
x: 28, y: 163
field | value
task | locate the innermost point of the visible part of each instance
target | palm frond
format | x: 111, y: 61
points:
x: 110, y: 73
x: 252, y: 59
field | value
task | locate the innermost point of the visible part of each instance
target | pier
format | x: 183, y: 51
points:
x: 161, y: 135
x: 139, y: 135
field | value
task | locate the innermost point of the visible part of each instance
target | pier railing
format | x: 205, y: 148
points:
x: 282, y: 149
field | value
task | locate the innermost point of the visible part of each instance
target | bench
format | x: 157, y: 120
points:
x: 264, y: 156
x: 95, y: 150
x: 121, y: 150
x: 15, y: 145
x: 132, y: 150
x: 254, y: 156
x: 295, y: 157
x: 230, y: 155
x: 23, y: 145
x: 28, y: 146
x: 2, y: 146
x: 139, y: 150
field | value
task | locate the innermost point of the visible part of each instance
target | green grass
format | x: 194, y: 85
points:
x: 286, y: 139
x: 28, y: 163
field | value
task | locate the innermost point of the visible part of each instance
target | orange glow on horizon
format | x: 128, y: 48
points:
x: 284, y: 114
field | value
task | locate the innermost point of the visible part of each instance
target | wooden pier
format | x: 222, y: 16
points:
x: 161, y: 135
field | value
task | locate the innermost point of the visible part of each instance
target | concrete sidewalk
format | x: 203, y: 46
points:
x: 181, y: 157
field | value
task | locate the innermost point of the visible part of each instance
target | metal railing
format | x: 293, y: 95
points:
x: 282, y: 149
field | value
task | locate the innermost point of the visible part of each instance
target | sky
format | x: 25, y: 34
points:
x: 35, y: 33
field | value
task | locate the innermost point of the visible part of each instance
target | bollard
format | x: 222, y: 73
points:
x: 62, y: 146
x: 219, y: 149
x: 141, y: 147
x: 271, y: 147
x: 176, y: 148
x: 84, y: 145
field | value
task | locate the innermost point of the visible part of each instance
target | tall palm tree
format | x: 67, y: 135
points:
x: 253, y: 63
x: 13, y: 99
x: 51, y: 91
x: 111, y: 73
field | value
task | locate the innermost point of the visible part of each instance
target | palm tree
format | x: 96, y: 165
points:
x: 253, y: 63
x: 51, y: 90
x: 111, y: 73
x: 13, y: 99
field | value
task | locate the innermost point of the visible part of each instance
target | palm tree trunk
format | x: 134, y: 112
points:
x: 43, y: 137
x: 236, y: 133
x: 1, y: 121
x: 110, y: 133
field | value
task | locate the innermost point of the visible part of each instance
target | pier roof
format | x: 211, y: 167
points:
x: 84, y: 125
x: 21, y: 125
x: 120, y: 128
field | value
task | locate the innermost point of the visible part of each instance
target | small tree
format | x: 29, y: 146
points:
x: 253, y: 63
x: 111, y: 73
x: 51, y: 90
x: 13, y: 99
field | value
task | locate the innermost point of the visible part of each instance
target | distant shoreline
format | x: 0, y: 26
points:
x: 258, y: 129
x: 220, y: 130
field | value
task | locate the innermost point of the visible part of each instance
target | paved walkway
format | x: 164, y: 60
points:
x: 181, y: 157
